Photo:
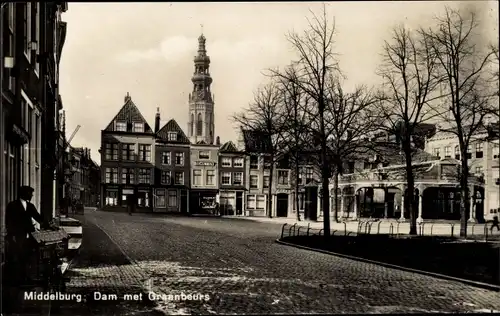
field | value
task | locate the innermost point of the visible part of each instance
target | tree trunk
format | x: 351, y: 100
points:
x: 336, y: 195
x: 325, y: 179
x: 410, y: 198
x: 464, y: 196
x: 297, y: 208
x: 270, y: 190
x: 326, y: 206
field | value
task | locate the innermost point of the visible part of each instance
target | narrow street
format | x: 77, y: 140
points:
x: 242, y: 270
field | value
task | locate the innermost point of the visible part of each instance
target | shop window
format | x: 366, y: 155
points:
x: 111, y: 198
x: 172, y: 198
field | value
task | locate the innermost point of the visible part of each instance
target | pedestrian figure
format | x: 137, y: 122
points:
x: 18, y: 221
x: 131, y: 202
x: 217, y: 208
x: 495, y: 224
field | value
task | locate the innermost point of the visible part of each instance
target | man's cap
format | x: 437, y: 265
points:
x: 26, y: 189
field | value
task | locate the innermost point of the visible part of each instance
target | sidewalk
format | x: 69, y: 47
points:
x: 380, y: 227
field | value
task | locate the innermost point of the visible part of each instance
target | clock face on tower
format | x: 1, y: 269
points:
x: 201, y: 93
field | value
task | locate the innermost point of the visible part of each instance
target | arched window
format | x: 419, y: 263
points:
x: 192, y: 124
x: 199, y: 125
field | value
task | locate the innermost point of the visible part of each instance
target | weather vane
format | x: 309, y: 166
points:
x: 201, y: 28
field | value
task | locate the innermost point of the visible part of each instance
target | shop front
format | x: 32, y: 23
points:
x: 231, y: 202
x: 116, y: 196
x: 170, y: 200
x: 202, y: 201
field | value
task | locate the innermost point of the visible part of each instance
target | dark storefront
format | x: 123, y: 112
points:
x: 202, y: 201
x: 116, y: 196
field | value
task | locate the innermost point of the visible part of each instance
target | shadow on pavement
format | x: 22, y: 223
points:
x: 97, y: 248
x: 476, y: 261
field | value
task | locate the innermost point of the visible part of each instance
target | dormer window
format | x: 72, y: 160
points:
x: 139, y: 127
x: 121, y: 126
x: 172, y: 136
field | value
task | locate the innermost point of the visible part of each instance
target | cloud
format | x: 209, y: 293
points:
x: 174, y: 49
x: 134, y: 56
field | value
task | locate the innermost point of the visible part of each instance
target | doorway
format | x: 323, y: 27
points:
x: 184, y: 202
x: 282, y: 205
x: 311, y: 203
x: 239, y: 203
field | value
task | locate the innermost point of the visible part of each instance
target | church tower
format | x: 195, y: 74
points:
x: 201, y: 127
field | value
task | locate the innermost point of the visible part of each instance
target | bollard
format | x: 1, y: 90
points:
x: 452, y: 229
x: 391, y: 229
x: 345, y: 228
x: 378, y: 227
x: 308, y: 228
x: 370, y: 228
x: 432, y: 228
x: 486, y: 232
x: 397, y: 228
x: 282, y: 229
x: 360, y: 226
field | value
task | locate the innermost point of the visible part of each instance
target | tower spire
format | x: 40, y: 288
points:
x: 201, y: 105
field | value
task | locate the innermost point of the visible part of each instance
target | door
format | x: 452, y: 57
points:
x: 184, y: 201
x: 282, y: 205
x: 311, y: 203
x: 239, y: 203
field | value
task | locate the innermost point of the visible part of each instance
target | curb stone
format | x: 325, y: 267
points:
x: 482, y: 285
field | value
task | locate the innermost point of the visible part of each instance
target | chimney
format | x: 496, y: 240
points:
x: 217, y: 141
x: 127, y: 97
x: 157, y: 120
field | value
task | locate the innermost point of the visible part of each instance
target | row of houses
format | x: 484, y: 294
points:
x: 168, y: 173
x: 84, y: 177
x: 32, y: 36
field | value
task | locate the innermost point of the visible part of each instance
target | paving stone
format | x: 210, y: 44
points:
x: 243, y: 271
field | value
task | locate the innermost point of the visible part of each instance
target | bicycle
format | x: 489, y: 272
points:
x: 50, y: 246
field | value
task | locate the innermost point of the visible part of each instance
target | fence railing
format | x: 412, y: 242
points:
x: 474, y: 231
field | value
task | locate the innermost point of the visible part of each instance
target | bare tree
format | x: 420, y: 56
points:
x: 409, y: 73
x: 295, y: 103
x: 317, y: 61
x: 492, y: 108
x: 348, y: 117
x: 454, y: 42
x: 264, y: 122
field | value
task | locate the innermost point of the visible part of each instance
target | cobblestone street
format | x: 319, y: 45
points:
x: 231, y: 266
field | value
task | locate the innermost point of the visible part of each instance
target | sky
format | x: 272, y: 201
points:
x: 147, y: 50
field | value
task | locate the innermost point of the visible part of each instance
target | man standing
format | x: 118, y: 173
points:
x: 495, y: 224
x: 131, y: 202
x: 18, y: 222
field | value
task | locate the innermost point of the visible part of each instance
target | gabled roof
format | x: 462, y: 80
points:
x: 129, y: 113
x: 229, y: 147
x: 172, y: 126
x: 201, y: 142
